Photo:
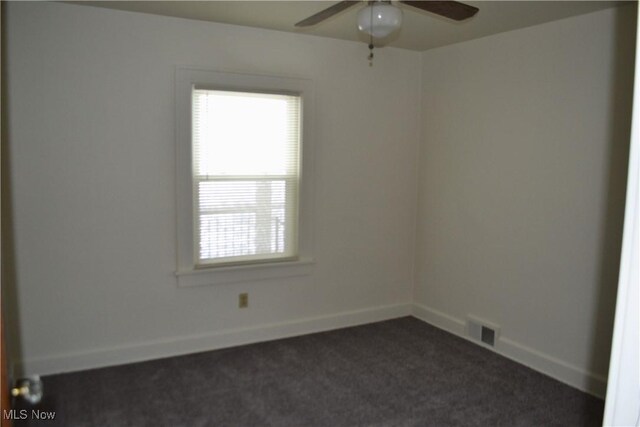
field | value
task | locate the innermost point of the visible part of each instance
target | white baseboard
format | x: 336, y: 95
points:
x: 565, y: 372
x: 138, y: 352
x: 98, y: 358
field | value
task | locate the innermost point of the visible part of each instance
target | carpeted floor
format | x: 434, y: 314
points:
x: 401, y: 372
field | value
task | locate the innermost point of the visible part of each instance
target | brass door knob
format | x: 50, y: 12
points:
x: 29, y: 389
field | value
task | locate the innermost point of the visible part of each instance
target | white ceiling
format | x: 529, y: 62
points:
x: 420, y: 30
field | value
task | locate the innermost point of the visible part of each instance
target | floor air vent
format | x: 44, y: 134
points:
x: 488, y: 336
x: 482, y: 331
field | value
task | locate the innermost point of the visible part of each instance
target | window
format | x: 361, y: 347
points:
x: 243, y: 176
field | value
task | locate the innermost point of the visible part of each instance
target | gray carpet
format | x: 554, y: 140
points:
x: 401, y: 372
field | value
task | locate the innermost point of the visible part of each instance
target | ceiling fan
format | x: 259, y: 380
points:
x: 381, y: 18
x: 449, y: 9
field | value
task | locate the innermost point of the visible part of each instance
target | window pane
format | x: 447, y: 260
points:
x: 245, y: 134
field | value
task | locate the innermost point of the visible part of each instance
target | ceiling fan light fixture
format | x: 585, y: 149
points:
x: 379, y: 20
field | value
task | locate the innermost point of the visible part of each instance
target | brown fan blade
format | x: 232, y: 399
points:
x: 326, y: 13
x: 449, y: 9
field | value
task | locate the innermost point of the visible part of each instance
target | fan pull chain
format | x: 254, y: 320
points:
x: 370, y: 57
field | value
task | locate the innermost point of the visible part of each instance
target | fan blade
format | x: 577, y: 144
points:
x: 449, y: 9
x: 326, y: 13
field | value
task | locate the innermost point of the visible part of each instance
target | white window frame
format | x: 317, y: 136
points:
x: 187, y: 273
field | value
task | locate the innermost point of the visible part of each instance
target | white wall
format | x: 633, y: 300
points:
x: 522, y: 180
x: 91, y: 132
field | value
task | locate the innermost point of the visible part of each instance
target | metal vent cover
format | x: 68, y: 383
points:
x: 482, y: 331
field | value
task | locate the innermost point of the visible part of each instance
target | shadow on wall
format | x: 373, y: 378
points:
x: 9, y: 297
x: 621, y: 100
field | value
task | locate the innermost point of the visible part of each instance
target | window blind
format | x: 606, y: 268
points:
x: 245, y: 175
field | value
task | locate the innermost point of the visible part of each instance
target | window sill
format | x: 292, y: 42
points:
x: 244, y: 273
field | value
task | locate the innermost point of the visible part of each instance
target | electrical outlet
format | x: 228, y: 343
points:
x: 243, y: 300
